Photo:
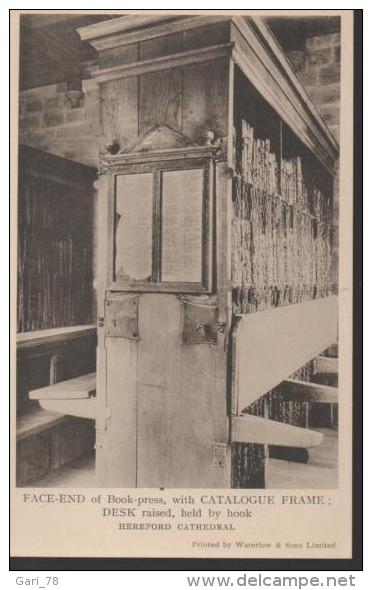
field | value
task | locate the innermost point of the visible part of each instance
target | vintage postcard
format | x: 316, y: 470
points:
x: 182, y: 284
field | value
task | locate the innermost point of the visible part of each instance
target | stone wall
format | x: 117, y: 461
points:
x: 50, y: 122
x: 318, y: 67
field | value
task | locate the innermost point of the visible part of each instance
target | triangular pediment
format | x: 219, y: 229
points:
x: 158, y: 138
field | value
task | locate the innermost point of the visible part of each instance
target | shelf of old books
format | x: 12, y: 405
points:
x: 282, y: 239
x: 282, y: 217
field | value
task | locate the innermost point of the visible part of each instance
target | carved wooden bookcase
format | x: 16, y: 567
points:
x: 175, y: 301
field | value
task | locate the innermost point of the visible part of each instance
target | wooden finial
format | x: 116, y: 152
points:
x: 208, y: 137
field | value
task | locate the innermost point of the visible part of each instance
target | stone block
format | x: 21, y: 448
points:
x: 33, y: 106
x: 321, y: 41
x: 74, y: 115
x: 330, y: 74
x: 30, y: 122
x: 53, y: 118
x: 62, y: 87
x: 309, y: 78
x: 53, y: 103
x: 313, y: 92
x: 335, y: 130
x: 337, y: 54
x: 320, y: 57
x: 298, y: 60
x: 329, y: 94
x: 331, y: 114
x: 92, y: 106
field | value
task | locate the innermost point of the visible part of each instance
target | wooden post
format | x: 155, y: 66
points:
x: 53, y: 368
x: 168, y: 398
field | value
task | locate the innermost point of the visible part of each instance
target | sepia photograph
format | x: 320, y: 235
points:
x: 177, y: 239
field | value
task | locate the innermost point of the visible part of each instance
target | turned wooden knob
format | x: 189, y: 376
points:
x: 208, y: 137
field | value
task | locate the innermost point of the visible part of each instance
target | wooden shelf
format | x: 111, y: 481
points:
x: 78, y: 388
x: 311, y: 392
x: 321, y: 471
x: 326, y: 364
x: 40, y: 341
x: 272, y: 344
x: 75, y: 397
x: 79, y: 408
x: 253, y: 429
x: 28, y: 339
x: 36, y: 420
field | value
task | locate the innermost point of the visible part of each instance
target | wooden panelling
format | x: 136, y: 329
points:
x: 203, y: 402
x: 205, y: 99
x: 191, y: 101
x: 116, y: 456
x: 160, y: 46
x: 158, y: 421
x: 120, y: 34
x: 206, y: 36
x: 33, y: 460
x: 36, y: 420
x: 257, y: 53
x: 119, y: 111
x: 182, y: 402
x: 31, y: 373
x: 160, y: 100
x: 73, y: 438
x: 79, y: 473
x: 118, y: 55
x: 48, y: 449
x: 77, y: 359
x: 115, y: 26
